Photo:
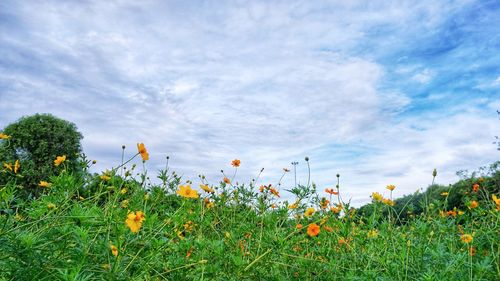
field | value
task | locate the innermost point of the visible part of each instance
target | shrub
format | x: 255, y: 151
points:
x: 36, y: 141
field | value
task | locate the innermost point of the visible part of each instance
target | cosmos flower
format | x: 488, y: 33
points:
x: 466, y: 238
x: 143, y: 151
x: 187, y: 191
x: 59, y: 160
x: 377, y: 197
x: 44, y: 184
x: 134, y: 220
x: 206, y: 188
x: 313, y: 230
x: 16, y: 166
x: 391, y: 187
x: 4, y: 136
x: 309, y: 212
x: 114, y: 250
x: 236, y: 163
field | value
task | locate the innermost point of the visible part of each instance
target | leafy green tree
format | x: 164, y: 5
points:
x: 36, y: 141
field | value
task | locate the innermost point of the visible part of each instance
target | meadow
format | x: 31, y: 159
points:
x: 118, y: 225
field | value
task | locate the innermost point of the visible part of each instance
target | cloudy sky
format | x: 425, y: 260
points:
x: 381, y: 92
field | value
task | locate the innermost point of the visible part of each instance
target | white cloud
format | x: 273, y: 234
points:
x: 264, y: 82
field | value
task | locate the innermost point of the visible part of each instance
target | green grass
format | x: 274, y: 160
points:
x: 242, y: 237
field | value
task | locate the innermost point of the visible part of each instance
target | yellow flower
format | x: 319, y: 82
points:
x: 206, y: 188
x: 236, y: 163
x: 388, y: 202
x: 124, y: 204
x: 473, y: 204
x: 51, y: 206
x: 226, y: 180
x: 143, y: 151
x: 114, y: 250
x: 59, y: 160
x: 123, y: 191
x: 444, y: 193
x: 44, y: 184
x: 293, y: 206
x: 7, y: 166
x: 134, y: 220
x: 4, y: 136
x: 186, y: 191
x: 309, y: 212
x: 391, y: 187
x: 16, y: 166
x: 466, y: 238
x: 497, y: 201
x: 209, y: 204
x: 377, y: 197
x: 313, y: 230
x: 105, y: 177
x: 336, y: 209
x: 372, y: 233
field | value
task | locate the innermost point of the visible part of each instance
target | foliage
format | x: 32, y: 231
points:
x: 36, y: 141
x: 114, y: 226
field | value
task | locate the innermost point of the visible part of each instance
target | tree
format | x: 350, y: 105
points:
x: 36, y: 141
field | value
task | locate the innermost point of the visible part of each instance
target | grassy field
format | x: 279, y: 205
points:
x: 116, y: 226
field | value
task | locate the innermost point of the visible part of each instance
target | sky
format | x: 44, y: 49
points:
x: 380, y: 92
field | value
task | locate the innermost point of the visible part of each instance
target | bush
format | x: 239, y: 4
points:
x: 35, y: 141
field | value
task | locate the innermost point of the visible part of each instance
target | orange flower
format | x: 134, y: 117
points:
x: 143, y: 151
x: 186, y: 191
x: 475, y: 187
x: 206, y: 188
x: 226, y: 180
x: 16, y: 166
x: 327, y: 228
x: 134, y: 220
x: 331, y: 191
x: 274, y: 191
x: 299, y: 226
x: 391, y: 187
x: 324, y: 203
x: 473, y: 204
x: 377, y: 197
x: 114, y: 250
x: 472, y: 251
x: 466, y: 238
x: 452, y: 213
x: 313, y: 230
x: 59, y: 160
x: 235, y: 163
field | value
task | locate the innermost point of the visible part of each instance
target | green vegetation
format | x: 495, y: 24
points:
x: 118, y: 226
x: 35, y: 142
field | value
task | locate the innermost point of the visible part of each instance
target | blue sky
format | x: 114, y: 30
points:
x: 381, y: 92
